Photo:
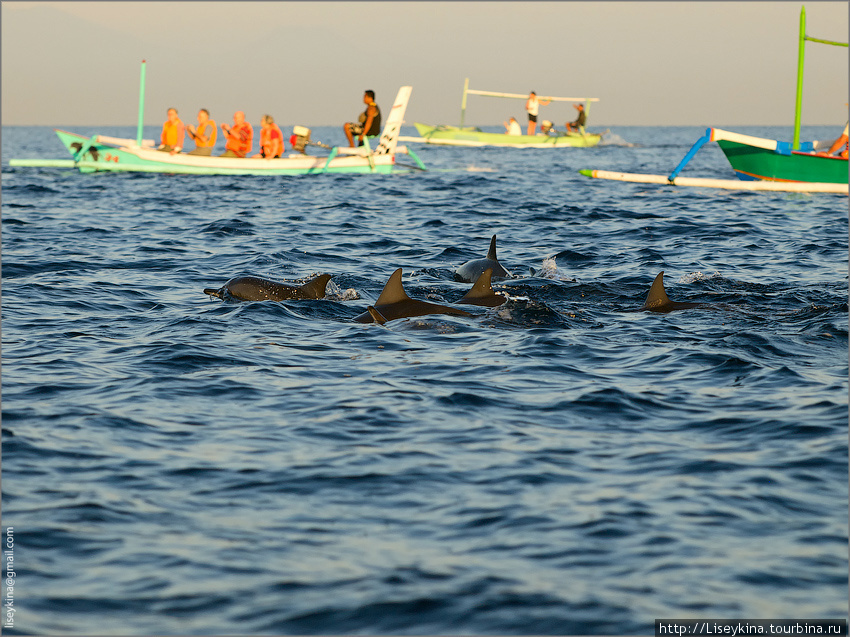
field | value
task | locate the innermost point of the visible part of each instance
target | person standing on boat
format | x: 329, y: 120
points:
x: 580, y: 120
x: 512, y: 127
x: 240, y: 137
x: 369, y: 121
x: 204, y: 135
x: 173, y: 133
x: 271, y: 139
x: 532, y: 105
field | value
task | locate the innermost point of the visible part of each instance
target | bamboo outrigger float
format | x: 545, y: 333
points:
x: 472, y: 136
x: 109, y: 154
x: 762, y: 164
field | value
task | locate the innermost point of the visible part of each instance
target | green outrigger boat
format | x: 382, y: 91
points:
x: 472, y: 136
x: 457, y: 136
x: 109, y: 154
x: 760, y: 163
x: 759, y: 159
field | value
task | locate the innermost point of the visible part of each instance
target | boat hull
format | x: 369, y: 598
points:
x: 750, y: 162
x: 107, y: 157
x: 454, y: 136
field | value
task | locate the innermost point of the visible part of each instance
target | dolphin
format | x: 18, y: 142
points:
x: 482, y: 292
x: 393, y: 303
x: 253, y: 288
x: 658, y: 301
x: 471, y: 270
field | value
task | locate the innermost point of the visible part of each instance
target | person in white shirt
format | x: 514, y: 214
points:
x: 512, y: 127
x: 532, y: 105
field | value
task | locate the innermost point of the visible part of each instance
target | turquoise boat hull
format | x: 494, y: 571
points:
x: 92, y: 155
x: 455, y: 136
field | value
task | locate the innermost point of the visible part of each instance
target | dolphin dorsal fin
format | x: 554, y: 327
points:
x: 492, y: 253
x: 657, y: 296
x: 393, y: 291
x: 315, y: 287
x: 379, y: 318
x: 482, y: 287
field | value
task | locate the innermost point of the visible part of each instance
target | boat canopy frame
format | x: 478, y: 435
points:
x: 469, y: 91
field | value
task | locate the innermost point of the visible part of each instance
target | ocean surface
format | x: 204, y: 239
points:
x: 563, y: 464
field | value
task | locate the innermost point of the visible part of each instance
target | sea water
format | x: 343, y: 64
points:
x: 563, y: 464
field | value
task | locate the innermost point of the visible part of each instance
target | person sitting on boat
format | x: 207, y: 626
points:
x: 173, y: 133
x: 271, y: 139
x: 369, y: 121
x: 204, y: 135
x: 512, y: 127
x: 546, y: 128
x: 841, y: 141
x: 580, y: 120
x: 532, y: 105
x: 240, y: 137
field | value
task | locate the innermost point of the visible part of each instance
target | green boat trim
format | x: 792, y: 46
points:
x: 470, y: 136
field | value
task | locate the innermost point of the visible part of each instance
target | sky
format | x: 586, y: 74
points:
x: 650, y: 63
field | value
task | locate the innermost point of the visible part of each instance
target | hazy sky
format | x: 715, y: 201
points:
x: 650, y: 63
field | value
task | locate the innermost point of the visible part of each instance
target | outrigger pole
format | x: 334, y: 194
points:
x: 795, y: 145
x: 141, y: 106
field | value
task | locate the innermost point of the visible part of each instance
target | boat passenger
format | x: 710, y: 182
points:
x: 844, y: 140
x: 204, y: 135
x: 532, y: 105
x: 546, y: 127
x: 580, y: 120
x: 271, y: 139
x: 240, y: 137
x: 369, y: 121
x: 173, y: 133
x: 512, y: 127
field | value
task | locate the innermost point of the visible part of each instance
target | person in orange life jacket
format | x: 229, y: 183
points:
x: 271, y: 139
x: 580, y: 120
x: 204, y: 135
x: 240, y: 137
x: 838, y: 143
x: 369, y: 124
x: 173, y: 132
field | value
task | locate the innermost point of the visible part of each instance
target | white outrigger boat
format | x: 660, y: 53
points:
x: 473, y: 136
x: 110, y: 154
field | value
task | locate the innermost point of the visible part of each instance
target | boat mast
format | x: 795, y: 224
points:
x: 795, y: 145
x: 463, y: 102
x: 141, y: 106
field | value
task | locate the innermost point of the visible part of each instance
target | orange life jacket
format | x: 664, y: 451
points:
x: 240, y: 139
x: 266, y: 137
x: 172, y: 134
x: 207, y: 130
